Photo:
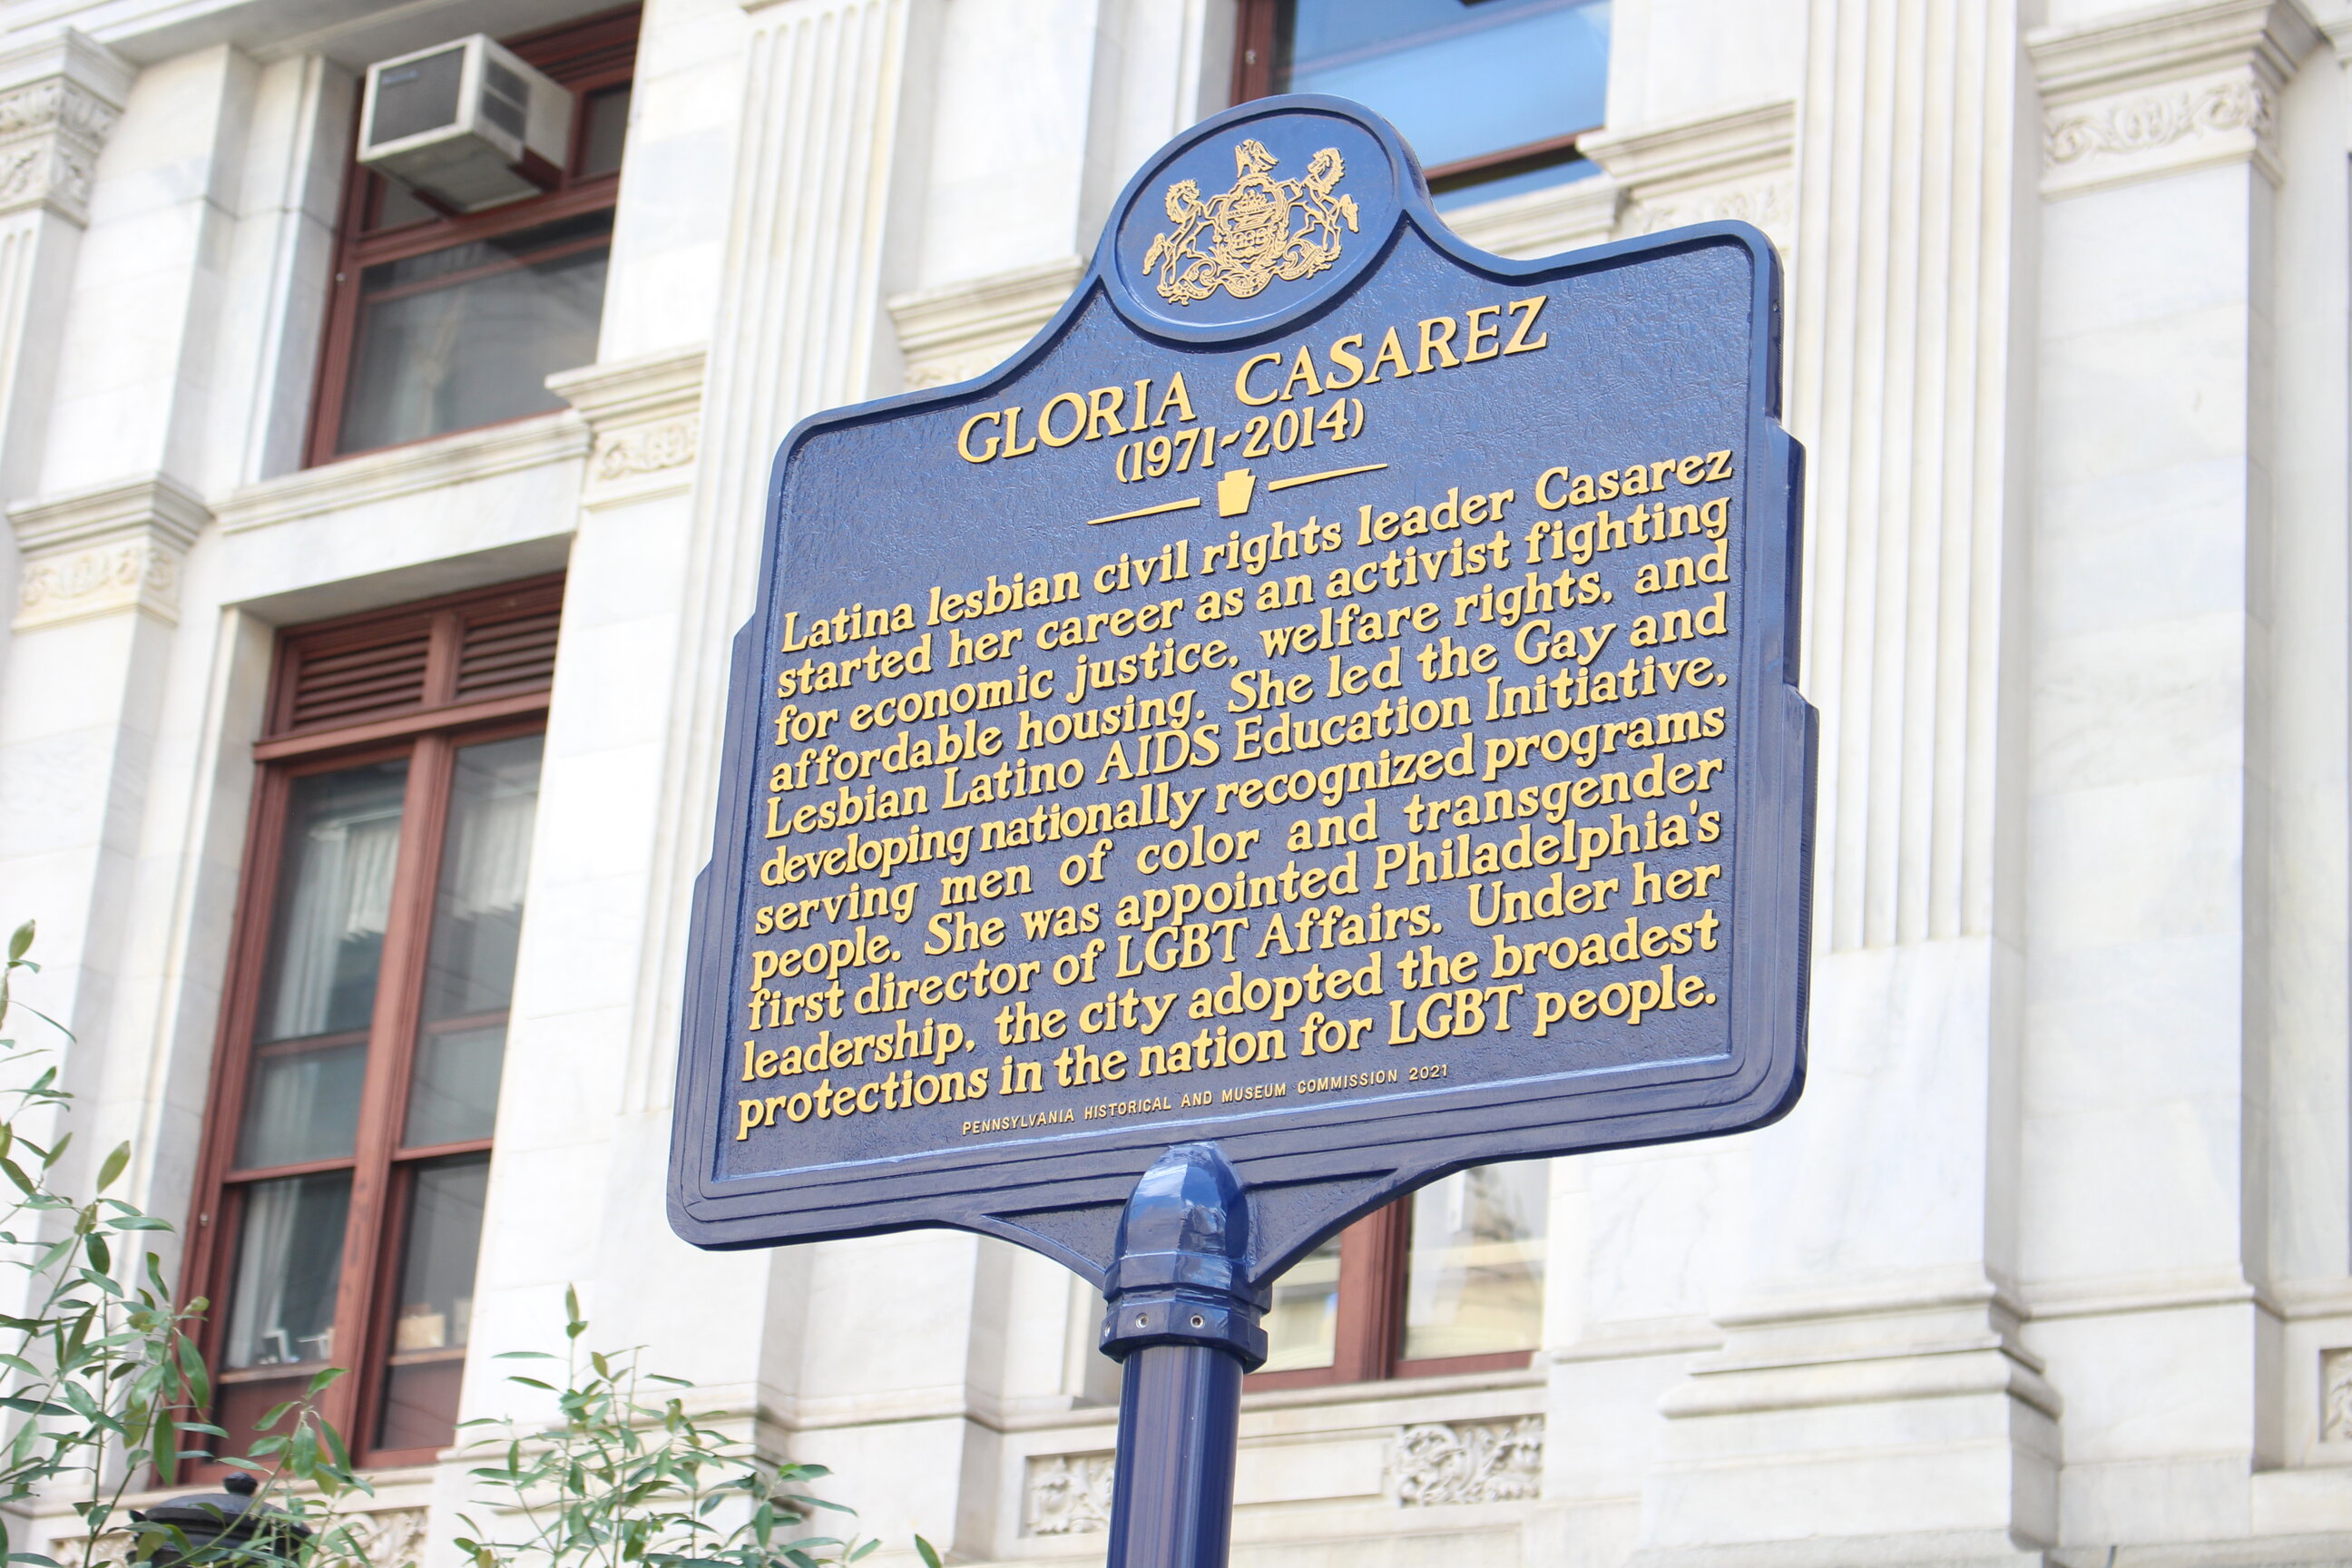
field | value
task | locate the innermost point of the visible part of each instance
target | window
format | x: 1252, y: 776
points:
x: 1447, y: 1280
x: 1491, y: 94
x: 439, y: 322
x: 348, y: 1138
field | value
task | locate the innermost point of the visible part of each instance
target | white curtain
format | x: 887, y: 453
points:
x: 342, y: 891
x: 289, y: 1254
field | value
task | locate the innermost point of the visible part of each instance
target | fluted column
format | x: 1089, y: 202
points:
x: 1873, y: 1393
x: 59, y: 100
x: 828, y: 162
x: 2174, y: 732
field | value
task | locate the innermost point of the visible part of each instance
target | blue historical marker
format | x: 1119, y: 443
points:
x: 1320, y: 717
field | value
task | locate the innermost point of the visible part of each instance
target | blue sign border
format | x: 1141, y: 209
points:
x: 1312, y: 1168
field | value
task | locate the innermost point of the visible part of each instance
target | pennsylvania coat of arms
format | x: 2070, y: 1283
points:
x: 1261, y: 229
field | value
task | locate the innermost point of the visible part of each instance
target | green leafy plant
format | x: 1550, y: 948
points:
x: 102, y: 1374
x: 626, y: 1475
x: 103, y: 1384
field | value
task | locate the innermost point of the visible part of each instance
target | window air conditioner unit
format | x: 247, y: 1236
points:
x: 465, y: 124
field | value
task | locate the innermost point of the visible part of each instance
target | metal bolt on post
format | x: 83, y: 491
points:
x: 1184, y: 1320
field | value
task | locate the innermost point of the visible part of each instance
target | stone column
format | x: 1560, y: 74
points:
x: 1872, y: 1399
x: 59, y: 98
x: 2150, y: 1006
x: 81, y: 713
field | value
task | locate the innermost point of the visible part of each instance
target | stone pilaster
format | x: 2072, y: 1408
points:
x: 2152, y: 773
x: 1873, y: 1399
x: 59, y: 100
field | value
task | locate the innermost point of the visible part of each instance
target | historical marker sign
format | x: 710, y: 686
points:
x: 1331, y: 694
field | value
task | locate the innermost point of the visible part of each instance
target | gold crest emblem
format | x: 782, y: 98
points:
x: 1261, y: 229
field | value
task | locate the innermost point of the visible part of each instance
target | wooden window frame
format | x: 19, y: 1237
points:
x: 588, y: 55
x: 1367, y: 1337
x: 427, y: 735
x: 1254, y: 46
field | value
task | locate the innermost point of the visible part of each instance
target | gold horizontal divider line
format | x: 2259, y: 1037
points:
x: 1332, y: 474
x: 1147, y: 512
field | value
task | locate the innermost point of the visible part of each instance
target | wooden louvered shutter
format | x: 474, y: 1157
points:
x: 483, y: 655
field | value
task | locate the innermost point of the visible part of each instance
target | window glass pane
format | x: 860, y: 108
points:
x: 1474, y: 1283
x: 608, y: 128
x: 301, y: 1105
x: 477, y: 927
x: 1458, y: 80
x: 435, y: 1310
x: 290, y: 1255
x: 467, y: 335
x: 334, y: 896
x: 1302, y: 1326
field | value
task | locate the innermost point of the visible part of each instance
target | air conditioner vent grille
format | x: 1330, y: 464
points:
x: 448, y: 653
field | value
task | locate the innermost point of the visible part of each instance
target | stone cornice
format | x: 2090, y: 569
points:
x: 960, y: 329
x: 1697, y: 152
x: 373, y: 477
x: 658, y: 386
x: 1541, y: 223
x: 111, y: 547
x: 2166, y: 44
x: 60, y: 99
x: 2159, y: 91
x: 1738, y: 164
x: 644, y: 416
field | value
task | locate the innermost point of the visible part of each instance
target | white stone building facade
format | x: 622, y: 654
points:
x: 2053, y: 1262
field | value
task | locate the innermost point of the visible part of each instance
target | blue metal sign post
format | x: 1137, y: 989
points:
x: 1321, y: 717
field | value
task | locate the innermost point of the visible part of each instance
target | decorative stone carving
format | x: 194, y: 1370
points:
x: 394, y: 1538
x: 1066, y: 1494
x: 2150, y: 92
x: 1469, y: 1461
x: 646, y: 450
x: 102, y: 550
x: 1770, y: 205
x: 646, y: 416
x: 2143, y: 124
x: 2335, y: 1395
x: 89, y: 581
x: 51, y: 130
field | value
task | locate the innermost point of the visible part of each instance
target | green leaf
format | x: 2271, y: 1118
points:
x: 113, y: 1166
x: 21, y: 942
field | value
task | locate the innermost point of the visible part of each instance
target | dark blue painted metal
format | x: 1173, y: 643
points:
x: 1184, y: 1319
x: 1661, y: 345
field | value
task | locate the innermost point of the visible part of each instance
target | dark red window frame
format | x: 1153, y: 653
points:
x: 1369, y: 1333
x: 415, y: 682
x: 588, y: 56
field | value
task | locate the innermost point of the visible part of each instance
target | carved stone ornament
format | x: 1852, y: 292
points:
x: 1067, y: 1494
x: 101, y: 550
x: 2335, y: 1395
x: 645, y: 450
x: 50, y: 133
x: 1770, y: 205
x: 1262, y: 228
x: 2156, y: 122
x: 1469, y: 1461
x: 91, y: 582
x: 392, y: 1537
